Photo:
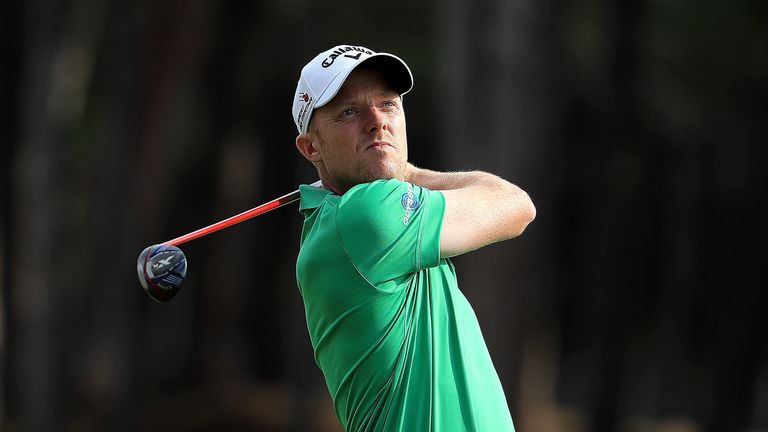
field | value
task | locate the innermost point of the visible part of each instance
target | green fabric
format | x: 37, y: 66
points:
x: 398, y: 343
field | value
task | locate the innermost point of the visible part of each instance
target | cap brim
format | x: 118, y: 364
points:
x: 395, y: 70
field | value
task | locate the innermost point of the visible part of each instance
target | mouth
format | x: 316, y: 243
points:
x: 379, y: 145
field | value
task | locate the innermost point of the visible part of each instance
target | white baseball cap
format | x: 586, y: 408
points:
x: 324, y: 75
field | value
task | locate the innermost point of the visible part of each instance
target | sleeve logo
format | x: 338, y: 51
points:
x: 410, y: 204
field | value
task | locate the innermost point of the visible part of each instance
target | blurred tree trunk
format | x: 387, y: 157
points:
x: 10, y: 49
x: 151, y: 78
x: 606, y: 222
x: 34, y: 208
x: 617, y: 275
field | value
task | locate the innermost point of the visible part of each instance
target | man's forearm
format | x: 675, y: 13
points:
x: 437, y: 180
x: 480, y: 208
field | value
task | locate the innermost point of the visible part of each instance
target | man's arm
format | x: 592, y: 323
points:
x: 480, y: 208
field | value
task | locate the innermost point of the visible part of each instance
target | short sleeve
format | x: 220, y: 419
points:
x: 390, y: 229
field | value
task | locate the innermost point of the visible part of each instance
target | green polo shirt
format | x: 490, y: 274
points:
x: 398, y: 343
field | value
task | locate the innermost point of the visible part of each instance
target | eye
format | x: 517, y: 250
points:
x: 389, y: 104
x: 348, y: 112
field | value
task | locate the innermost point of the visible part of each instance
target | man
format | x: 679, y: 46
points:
x: 398, y: 343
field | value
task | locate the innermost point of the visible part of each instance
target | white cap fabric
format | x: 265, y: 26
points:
x: 322, y: 78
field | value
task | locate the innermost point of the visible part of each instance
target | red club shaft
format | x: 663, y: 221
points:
x: 248, y: 214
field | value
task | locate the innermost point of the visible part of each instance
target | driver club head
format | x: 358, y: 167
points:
x: 161, y: 270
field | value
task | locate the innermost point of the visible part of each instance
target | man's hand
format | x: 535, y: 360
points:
x: 480, y: 208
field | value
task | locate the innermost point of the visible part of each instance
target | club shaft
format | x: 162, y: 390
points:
x: 248, y: 214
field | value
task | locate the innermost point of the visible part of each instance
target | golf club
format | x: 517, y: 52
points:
x: 163, y: 267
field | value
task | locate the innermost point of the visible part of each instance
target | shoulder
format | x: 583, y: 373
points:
x: 383, y: 201
x: 370, y: 202
x: 389, y: 221
x: 373, y: 193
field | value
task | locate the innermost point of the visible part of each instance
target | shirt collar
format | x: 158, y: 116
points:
x: 312, y: 197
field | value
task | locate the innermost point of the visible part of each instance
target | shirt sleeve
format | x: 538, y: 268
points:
x: 390, y: 229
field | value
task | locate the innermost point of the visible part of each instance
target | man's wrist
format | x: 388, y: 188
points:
x: 412, y: 174
x: 430, y: 179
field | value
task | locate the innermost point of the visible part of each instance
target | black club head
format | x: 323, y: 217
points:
x: 161, y: 269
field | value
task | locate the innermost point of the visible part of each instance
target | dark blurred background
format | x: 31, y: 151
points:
x: 635, y: 302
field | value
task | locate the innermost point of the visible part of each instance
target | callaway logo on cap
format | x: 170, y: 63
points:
x: 322, y: 77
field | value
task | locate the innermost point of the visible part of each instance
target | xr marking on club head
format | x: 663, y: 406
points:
x: 162, y: 262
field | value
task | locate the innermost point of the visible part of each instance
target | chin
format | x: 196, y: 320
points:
x: 387, y: 171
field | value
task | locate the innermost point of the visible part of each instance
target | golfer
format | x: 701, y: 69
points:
x: 397, y: 341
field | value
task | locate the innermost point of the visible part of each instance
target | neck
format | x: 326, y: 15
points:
x: 332, y: 186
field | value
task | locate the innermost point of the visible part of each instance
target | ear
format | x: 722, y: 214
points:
x: 308, y: 146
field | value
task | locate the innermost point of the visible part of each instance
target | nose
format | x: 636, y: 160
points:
x: 377, y: 120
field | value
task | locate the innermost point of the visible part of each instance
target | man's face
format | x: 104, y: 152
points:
x: 360, y: 133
